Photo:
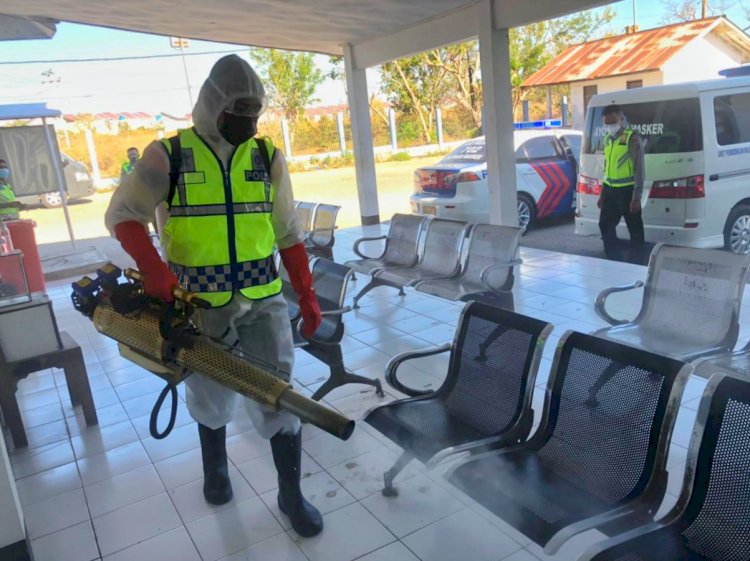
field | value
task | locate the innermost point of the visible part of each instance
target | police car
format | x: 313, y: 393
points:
x: 546, y: 169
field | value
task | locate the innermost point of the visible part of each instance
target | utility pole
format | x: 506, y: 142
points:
x: 704, y: 9
x: 179, y: 43
x: 635, y: 16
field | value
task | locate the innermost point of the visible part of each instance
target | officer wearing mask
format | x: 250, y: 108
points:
x: 129, y: 166
x: 227, y: 213
x: 8, y: 204
x: 622, y: 185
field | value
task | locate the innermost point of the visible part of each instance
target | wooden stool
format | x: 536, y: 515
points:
x: 69, y: 359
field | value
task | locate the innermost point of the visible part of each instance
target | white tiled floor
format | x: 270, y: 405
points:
x: 112, y: 492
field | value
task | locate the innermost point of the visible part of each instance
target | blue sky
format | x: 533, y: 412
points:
x: 157, y: 85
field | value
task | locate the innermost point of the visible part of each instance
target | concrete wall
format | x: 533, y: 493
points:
x: 606, y: 85
x: 701, y: 60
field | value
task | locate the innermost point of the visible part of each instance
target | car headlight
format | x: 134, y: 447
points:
x: 82, y: 176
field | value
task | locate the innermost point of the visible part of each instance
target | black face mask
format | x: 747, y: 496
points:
x: 133, y: 159
x: 237, y: 129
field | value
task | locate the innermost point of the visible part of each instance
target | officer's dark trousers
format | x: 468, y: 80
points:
x: 616, y: 205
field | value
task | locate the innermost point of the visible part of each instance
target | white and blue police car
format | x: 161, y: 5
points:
x: 546, y: 172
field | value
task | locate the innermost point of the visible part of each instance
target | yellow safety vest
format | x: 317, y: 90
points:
x: 219, y: 235
x: 7, y: 196
x: 619, y: 170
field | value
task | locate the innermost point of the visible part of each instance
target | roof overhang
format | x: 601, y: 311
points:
x: 14, y: 28
x: 378, y: 30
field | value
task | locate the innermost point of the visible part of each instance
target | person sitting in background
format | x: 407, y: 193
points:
x: 9, y: 206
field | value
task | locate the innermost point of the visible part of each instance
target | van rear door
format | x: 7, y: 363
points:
x: 673, y: 191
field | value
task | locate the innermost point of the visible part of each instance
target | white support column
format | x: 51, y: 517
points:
x: 364, y: 157
x: 494, y: 54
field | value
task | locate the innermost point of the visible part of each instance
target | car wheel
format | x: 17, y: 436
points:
x: 526, y: 211
x: 737, y: 230
x: 51, y: 200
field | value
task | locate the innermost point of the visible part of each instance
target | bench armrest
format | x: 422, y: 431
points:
x: 393, y: 365
x: 375, y: 239
x: 497, y: 267
x: 314, y: 231
x: 601, y: 301
x: 312, y: 338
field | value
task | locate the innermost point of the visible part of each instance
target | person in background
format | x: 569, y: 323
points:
x: 129, y: 166
x: 9, y: 206
x: 622, y: 186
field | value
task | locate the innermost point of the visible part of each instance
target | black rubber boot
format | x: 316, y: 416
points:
x: 217, y: 489
x: 287, y: 455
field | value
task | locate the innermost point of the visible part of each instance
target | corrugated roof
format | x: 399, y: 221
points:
x: 636, y: 52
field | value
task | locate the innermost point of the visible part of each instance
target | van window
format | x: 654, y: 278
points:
x: 732, y: 115
x: 667, y: 127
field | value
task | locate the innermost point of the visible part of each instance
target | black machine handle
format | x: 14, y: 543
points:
x: 179, y: 293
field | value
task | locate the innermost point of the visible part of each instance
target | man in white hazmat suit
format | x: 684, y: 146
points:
x: 226, y: 215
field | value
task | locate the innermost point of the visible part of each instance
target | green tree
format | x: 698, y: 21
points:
x: 417, y: 85
x: 290, y: 79
x: 421, y: 83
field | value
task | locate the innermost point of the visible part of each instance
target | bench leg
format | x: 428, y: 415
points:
x: 365, y: 289
x: 388, y: 489
x: 340, y: 376
x: 12, y: 414
x: 78, y: 386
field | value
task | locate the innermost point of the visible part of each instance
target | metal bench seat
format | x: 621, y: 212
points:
x: 599, y: 455
x: 401, y: 245
x: 691, y: 303
x: 485, y: 399
x: 321, y: 238
x: 711, y: 520
x: 329, y: 280
x: 488, y: 272
x: 441, y: 259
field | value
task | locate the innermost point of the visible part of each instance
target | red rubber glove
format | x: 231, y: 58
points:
x: 159, y: 281
x: 297, y: 265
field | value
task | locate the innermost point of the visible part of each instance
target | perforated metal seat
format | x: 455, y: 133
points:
x: 690, y: 307
x: 401, y: 246
x: 330, y: 280
x: 305, y: 213
x: 321, y: 237
x: 486, y: 397
x: 488, y: 272
x: 599, y: 453
x: 711, y: 521
x: 441, y: 258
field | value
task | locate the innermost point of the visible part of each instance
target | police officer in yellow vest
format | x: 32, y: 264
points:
x: 8, y: 204
x: 227, y: 213
x: 129, y: 166
x: 622, y: 186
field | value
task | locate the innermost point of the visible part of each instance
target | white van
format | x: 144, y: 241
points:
x: 697, y: 182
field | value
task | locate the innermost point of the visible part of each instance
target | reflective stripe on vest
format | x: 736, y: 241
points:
x: 618, y: 165
x: 219, y: 238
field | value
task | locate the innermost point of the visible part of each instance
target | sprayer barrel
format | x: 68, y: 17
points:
x: 140, y: 332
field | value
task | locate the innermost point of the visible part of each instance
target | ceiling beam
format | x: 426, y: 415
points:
x: 515, y: 13
x: 452, y: 28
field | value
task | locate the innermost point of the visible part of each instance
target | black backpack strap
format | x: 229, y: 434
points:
x: 175, y: 163
x: 263, y: 149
